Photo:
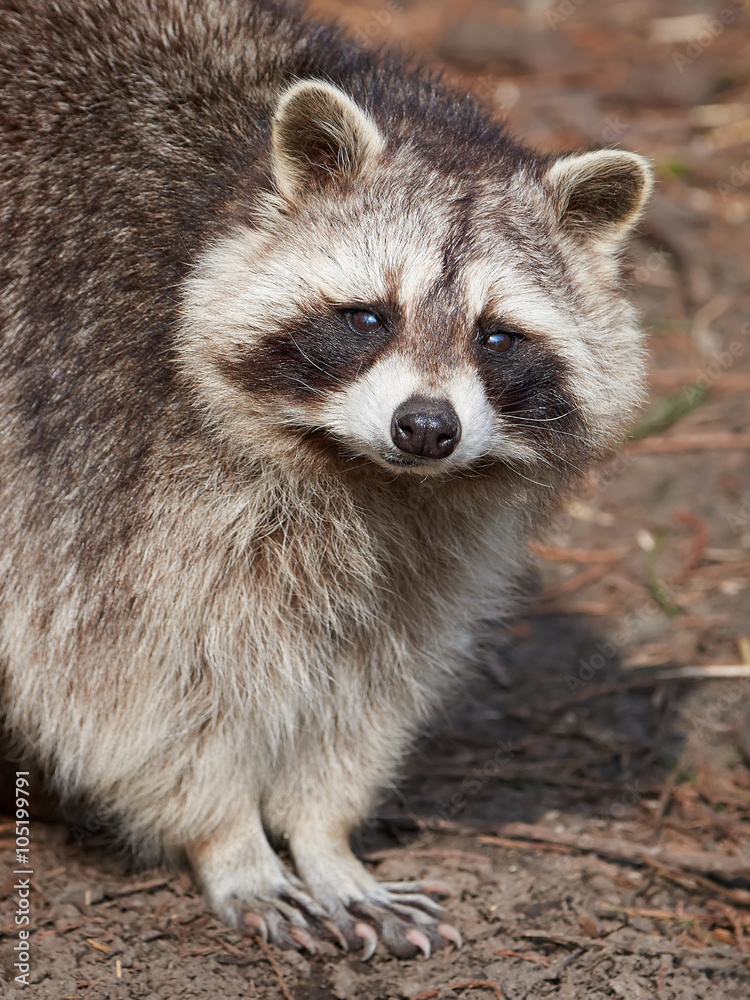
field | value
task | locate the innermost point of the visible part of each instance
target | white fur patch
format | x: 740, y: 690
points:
x: 361, y: 415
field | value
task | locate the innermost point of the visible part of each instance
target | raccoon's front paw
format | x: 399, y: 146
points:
x: 282, y: 913
x: 248, y: 886
x: 403, y: 915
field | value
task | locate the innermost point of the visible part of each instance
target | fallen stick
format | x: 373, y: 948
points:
x: 700, y: 541
x: 690, y: 880
x: 469, y: 984
x: 275, y: 966
x: 717, y: 441
x: 575, y: 582
x: 130, y: 890
x: 602, y: 690
x: 579, y: 608
x: 731, y: 916
x: 713, y: 671
x: 658, y: 947
x: 707, y: 862
x: 527, y: 956
x: 728, y: 382
x: 504, y: 834
x: 555, y: 554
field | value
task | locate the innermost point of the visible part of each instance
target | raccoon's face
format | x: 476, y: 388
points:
x: 429, y: 319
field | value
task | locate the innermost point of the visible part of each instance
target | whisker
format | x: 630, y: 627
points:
x: 310, y: 388
x: 541, y: 420
x: 514, y: 468
x: 573, y: 436
x: 307, y: 357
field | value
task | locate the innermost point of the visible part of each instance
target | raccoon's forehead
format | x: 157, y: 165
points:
x: 359, y: 251
x: 430, y: 255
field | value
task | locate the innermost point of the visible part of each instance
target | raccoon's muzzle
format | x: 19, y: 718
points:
x: 429, y: 428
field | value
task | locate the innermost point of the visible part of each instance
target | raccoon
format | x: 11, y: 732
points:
x: 298, y: 349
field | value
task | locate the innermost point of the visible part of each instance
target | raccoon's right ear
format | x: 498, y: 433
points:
x: 319, y: 135
x: 600, y: 196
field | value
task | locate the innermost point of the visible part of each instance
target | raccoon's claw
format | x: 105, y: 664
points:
x: 417, y: 901
x: 407, y: 942
x: 354, y: 913
x: 337, y: 936
x: 451, y: 933
x: 255, y: 924
x: 269, y: 925
x: 304, y: 940
x: 419, y: 940
x: 276, y: 927
x: 370, y: 938
x: 406, y: 921
x: 289, y: 919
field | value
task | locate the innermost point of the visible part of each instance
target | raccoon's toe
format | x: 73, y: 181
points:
x: 289, y: 919
x: 405, y: 916
x: 266, y: 922
x: 407, y: 922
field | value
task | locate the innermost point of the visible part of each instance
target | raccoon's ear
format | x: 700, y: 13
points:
x: 319, y: 135
x: 599, y: 196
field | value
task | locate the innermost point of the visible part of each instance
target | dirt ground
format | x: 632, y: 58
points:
x: 587, y: 798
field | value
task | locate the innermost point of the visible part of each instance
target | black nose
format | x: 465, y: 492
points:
x: 427, y: 427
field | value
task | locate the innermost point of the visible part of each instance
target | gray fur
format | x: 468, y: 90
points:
x: 228, y: 602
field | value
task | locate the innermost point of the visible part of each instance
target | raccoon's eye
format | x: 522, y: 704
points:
x: 501, y: 341
x: 362, y: 321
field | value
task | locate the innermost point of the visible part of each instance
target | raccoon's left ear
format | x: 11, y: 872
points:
x: 319, y: 135
x: 599, y: 196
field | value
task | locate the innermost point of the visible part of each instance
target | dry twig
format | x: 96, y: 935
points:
x: 712, y: 671
x: 265, y: 948
x: 656, y: 946
x: 729, y: 381
x: 666, y: 795
x: 573, y: 583
x: 707, y: 862
x: 469, y: 984
x: 527, y: 956
x: 589, y: 692
x: 715, y: 441
x: 701, y: 537
x: 691, y: 881
x: 555, y: 554
x: 130, y: 890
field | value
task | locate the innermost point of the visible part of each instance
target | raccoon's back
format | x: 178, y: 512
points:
x: 131, y: 131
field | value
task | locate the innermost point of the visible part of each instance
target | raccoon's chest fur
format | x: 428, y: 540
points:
x: 377, y: 585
